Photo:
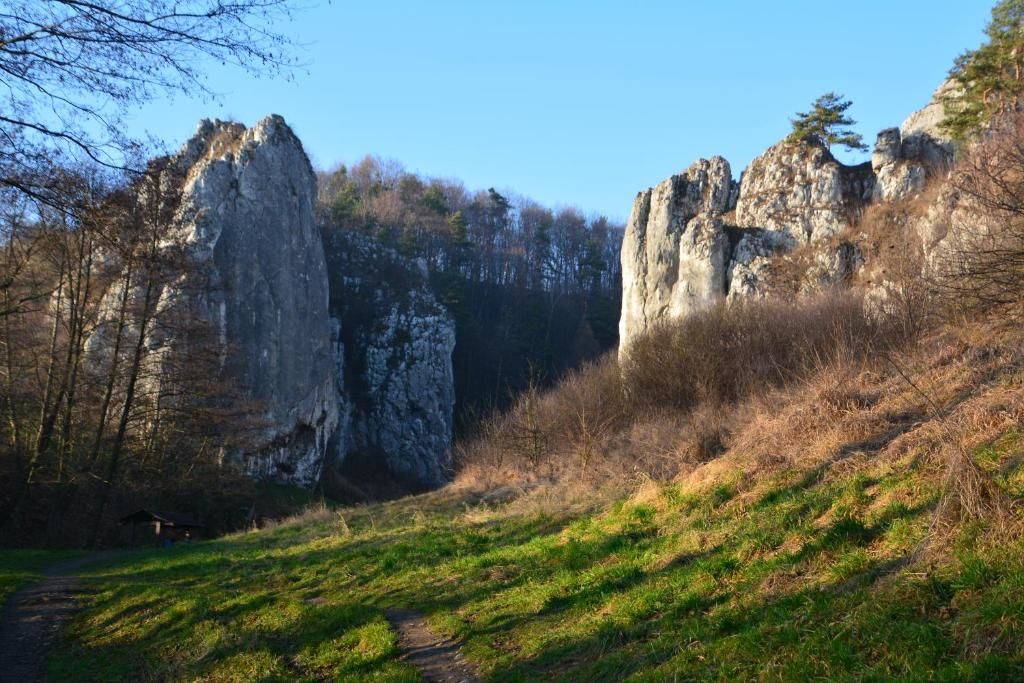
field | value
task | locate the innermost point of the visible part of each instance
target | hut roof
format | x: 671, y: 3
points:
x: 174, y: 519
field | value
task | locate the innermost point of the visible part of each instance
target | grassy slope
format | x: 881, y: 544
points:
x: 755, y: 566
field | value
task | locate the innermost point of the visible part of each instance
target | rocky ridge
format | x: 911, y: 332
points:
x: 699, y: 237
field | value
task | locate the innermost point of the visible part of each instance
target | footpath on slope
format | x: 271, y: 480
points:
x: 33, y: 618
x: 437, y: 659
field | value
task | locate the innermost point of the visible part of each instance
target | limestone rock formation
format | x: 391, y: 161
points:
x: 750, y: 259
x: 246, y: 218
x: 905, y: 157
x: 801, y: 189
x: 675, y: 249
x: 679, y: 253
x: 923, y: 127
x: 396, y: 352
x: 682, y: 250
x: 898, y: 174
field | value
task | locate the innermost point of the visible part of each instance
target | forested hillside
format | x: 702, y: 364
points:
x: 534, y: 291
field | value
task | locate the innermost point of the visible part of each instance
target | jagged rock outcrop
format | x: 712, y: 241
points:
x: 246, y: 219
x: 801, y: 190
x: 794, y: 200
x: 675, y: 249
x: 898, y: 174
x: 905, y: 158
x: 680, y: 254
x: 396, y: 354
x: 923, y: 128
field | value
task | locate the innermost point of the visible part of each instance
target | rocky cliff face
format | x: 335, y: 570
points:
x: 246, y: 218
x: 396, y: 352
x: 340, y: 360
x: 905, y: 158
x: 802, y: 191
x: 675, y: 249
x: 684, y: 250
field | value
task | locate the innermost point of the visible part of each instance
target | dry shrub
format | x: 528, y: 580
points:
x: 968, y: 493
x: 888, y: 237
x: 726, y: 353
x: 547, y: 433
x: 675, y: 401
x: 981, y: 265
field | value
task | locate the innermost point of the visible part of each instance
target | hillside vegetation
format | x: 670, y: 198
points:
x: 832, y: 537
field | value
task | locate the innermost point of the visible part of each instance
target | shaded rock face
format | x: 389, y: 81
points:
x: 246, y: 217
x: 800, y: 189
x: 675, y: 249
x: 395, y: 353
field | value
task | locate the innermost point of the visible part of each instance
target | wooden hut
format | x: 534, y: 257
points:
x: 167, y: 527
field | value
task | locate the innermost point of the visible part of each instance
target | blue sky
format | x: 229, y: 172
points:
x: 583, y: 103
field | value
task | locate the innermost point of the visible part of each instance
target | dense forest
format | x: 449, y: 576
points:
x: 533, y: 291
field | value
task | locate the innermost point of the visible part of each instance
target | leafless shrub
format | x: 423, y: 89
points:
x: 981, y: 263
x: 728, y: 352
x: 546, y: 433
x: 672, y: 404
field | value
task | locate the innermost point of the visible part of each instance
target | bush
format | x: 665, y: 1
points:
x: 726, y: 353
x: 659, y: 412
x: 979, y: 266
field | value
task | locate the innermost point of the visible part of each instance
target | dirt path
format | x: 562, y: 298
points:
x: 33, y: 618
x: 438, y: 659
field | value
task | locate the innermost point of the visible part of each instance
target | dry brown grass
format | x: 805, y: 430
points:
x: 676, y: 401
x: 727, y: 353
x: 925, y: 408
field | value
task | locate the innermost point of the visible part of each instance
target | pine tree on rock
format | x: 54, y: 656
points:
x: 827, y: 124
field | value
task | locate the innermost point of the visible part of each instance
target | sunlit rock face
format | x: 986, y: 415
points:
x: 246, y: 216
x: 801, y: 190
x: 905, y: 158
x: 699, y: 238
x: 675, y: 249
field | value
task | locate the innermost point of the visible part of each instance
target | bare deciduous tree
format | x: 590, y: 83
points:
x: 72, y: 68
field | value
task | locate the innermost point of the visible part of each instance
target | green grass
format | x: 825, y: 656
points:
x: 808, y: 577
x: 21, y: 567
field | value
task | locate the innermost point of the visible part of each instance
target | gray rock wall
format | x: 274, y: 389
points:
x: 246, y: 216
x: 397, y: 355
x: 801, y: 190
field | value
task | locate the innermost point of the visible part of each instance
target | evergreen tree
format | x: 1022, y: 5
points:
x: 990, y: 79
x: 826, y: 124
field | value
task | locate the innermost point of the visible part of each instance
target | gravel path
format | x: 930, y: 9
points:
x: 33, y: 618
x: 438, y: 660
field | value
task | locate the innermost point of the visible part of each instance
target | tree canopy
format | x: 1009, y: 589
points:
x: 827, y: 124
x: 72, y: 68
x: 990, y: 79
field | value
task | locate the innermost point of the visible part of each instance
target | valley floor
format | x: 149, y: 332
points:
x: 810, y: 579
x: 846, y: 561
